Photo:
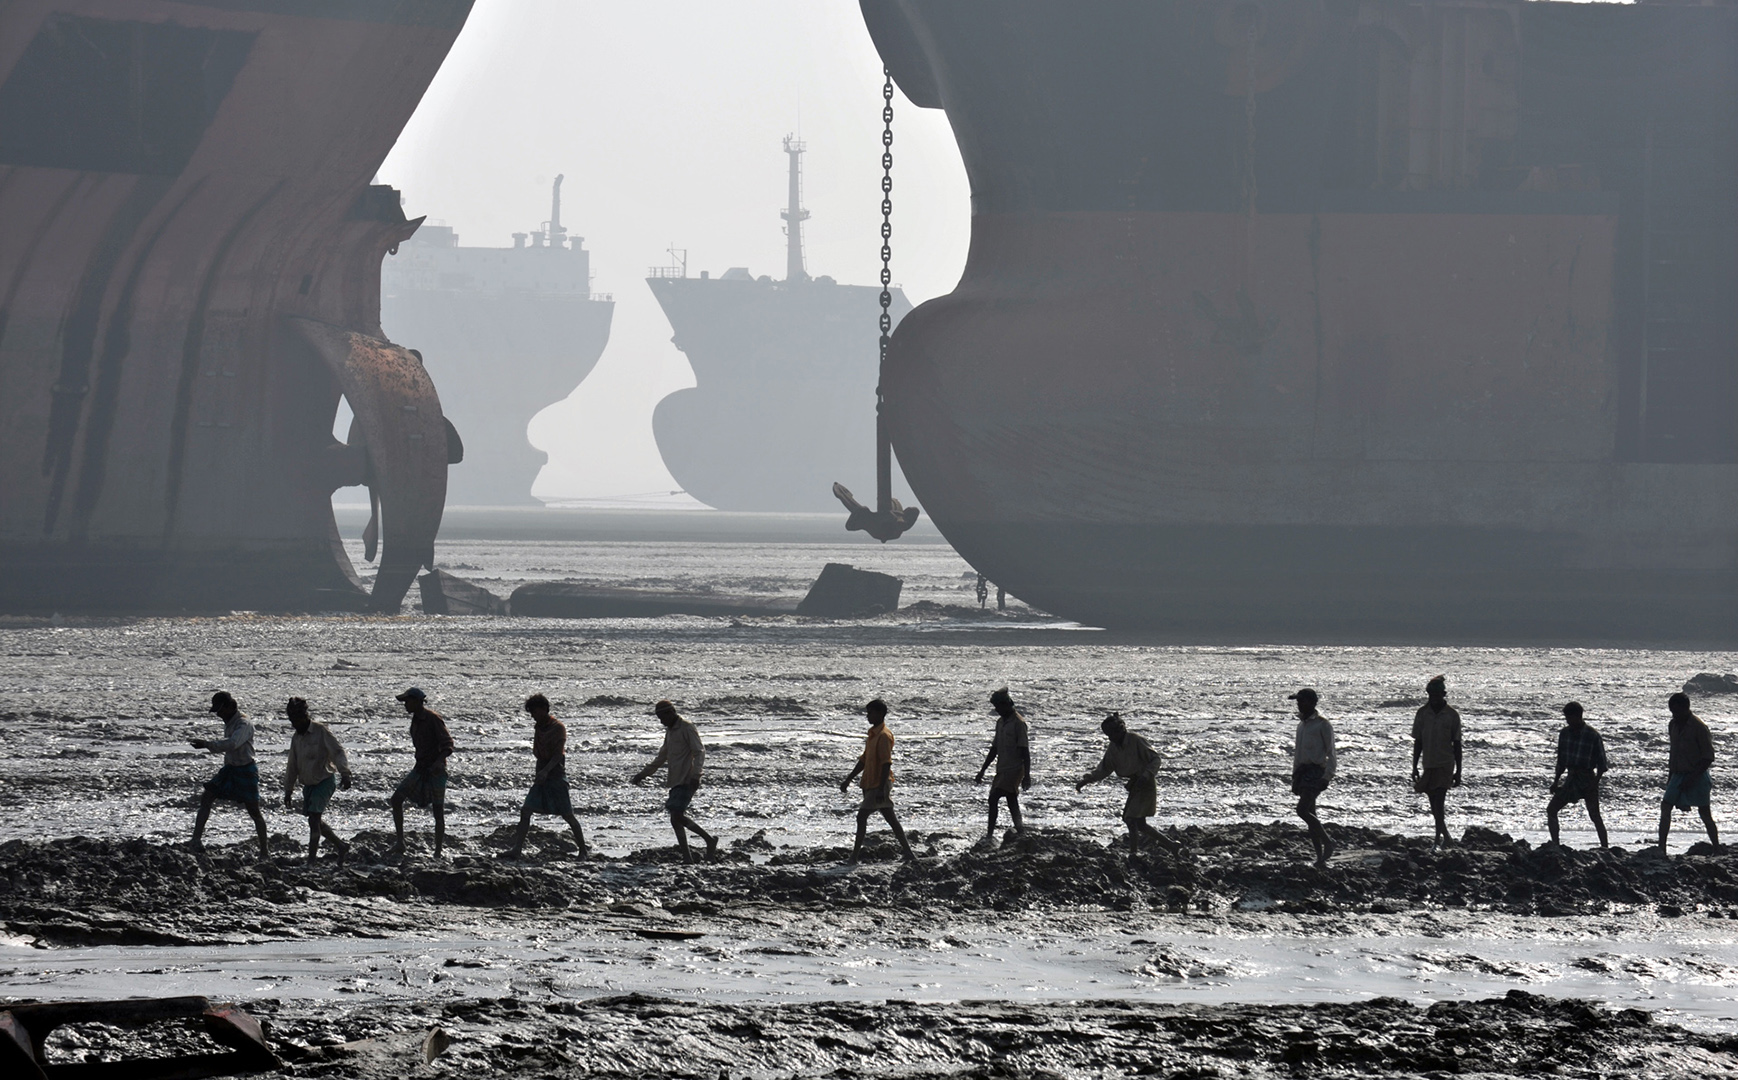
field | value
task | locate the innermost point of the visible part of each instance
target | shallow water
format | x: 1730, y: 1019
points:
x: 94, y: 715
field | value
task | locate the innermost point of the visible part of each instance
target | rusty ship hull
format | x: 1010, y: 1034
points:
x: 1358, y: 320
x: 190, y: 256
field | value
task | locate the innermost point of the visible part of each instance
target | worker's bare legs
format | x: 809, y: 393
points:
x: 518, y: 847
x: 205, y: 802
x: 578, y: 833
x: 1139, y: 827
x: 682, y: 823
x: 892, y: 821
x: 317, y: 828
x: 1707, y: 814
x: 1439, y: 811
x: 1306, y: 809
x: 259, y: 826
x: 440, y: 815
x: 1013, y: 798
x: 1598, y: 822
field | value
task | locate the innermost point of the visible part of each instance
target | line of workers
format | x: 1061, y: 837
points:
x: 316, y: 763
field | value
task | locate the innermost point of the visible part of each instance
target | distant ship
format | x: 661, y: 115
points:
x: 786, y: 371
x: 504, y: 332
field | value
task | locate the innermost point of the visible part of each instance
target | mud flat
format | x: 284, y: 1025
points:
x: 83, y: 891
x: 1520, y: 1034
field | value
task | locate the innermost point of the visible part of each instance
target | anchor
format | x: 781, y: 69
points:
x: 889, y: 520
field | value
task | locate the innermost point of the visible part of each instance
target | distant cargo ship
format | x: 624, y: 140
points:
x: 504, y: 332
x: 785, y: 398
x: 1356, y: 319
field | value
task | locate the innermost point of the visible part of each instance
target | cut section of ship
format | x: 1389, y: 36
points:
x: 505, y: 332
x: 784, y: 401
x: 189, y: 279
x: 1335, y: 318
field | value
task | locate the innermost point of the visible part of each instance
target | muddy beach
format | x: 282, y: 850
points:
x: 1519, y: 1034
x: 780, y: 959
x: 83, y: 891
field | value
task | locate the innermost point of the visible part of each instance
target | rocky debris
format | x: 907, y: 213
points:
x: 1709, y: 683
x: 449, y: 594
x: 88, y: 891
x: 845, y: 592
x: 1521, y: 1034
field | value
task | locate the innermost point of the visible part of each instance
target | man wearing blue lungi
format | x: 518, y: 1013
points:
x: 238, y: 779
x: 316, y: 762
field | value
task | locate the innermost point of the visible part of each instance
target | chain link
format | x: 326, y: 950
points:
x: 886, y: 214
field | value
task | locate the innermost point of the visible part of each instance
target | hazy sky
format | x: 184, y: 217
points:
x: 666, y: 119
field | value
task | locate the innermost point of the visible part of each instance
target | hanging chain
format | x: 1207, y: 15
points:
x: 886, y: 214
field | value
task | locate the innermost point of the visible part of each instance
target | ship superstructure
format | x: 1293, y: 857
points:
x: 1362, y: 319
x: 505, y: 332
x: 785, y: 370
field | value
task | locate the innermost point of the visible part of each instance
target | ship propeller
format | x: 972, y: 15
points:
x: 405, y: 443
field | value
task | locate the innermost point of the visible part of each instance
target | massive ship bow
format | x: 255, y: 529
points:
x: 1286, y: 319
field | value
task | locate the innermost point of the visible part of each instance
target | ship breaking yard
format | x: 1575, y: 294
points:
x: 1335, y: 398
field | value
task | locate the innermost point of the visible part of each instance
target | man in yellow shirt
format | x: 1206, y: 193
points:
x: 876, y: 765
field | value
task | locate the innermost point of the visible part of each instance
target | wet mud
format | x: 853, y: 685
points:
x: 1520, y: 1034
x: 88, y: 891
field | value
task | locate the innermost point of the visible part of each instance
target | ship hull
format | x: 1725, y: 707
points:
x: 1194, y: 383
x: 499, y: 359
x: 189, y: 280
x: 784, y: 401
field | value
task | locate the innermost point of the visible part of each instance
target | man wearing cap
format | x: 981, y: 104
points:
x: 1011, y: 752
x: 548, y: 794
x: 1313, y: 760
x: 1580, y: 765
x: 317, y: 762
x: 1689, y: 781
x: 426, y: 782
x: 238, y: 779
x: 876, y: 765
x: 685, y: 757
x: 1129, y: 757
x: 1436, y: 745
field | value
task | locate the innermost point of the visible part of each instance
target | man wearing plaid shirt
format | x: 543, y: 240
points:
x: 1580, y: 755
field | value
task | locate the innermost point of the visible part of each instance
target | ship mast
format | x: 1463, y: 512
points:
x: 794, y: 214
x: 557, y: 234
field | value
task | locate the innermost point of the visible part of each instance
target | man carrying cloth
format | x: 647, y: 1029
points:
x: 1580, y: 765
x: 876, y: 765
x: 686, y: 757
x: 548, y: 794
x: 316, y: 762
x: 238, y: 780
x: 1690, y: 783
x: 1129, y: 757
x: 1436, y: 744
x: 1012, y: 754
x: 426, y: 783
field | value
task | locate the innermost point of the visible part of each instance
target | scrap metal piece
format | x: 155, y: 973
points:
x: 406, y: 440
x: 25, y: 1028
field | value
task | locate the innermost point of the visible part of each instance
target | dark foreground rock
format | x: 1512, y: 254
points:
x: 85, y: 890
x: 1518, y: 1035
